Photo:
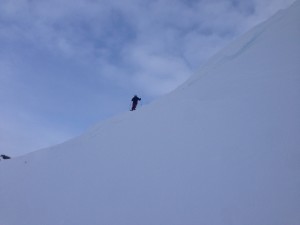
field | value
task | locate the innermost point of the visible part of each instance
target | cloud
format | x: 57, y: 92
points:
x: 101, y: 30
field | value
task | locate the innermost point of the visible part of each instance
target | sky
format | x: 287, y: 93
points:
x: 66, y: 65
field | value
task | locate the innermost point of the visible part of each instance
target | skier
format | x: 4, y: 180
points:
x: 135, y: 101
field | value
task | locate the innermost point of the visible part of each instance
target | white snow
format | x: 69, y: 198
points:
x: 222, y: 149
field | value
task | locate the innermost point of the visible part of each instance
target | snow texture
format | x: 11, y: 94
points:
x: 222, y: 149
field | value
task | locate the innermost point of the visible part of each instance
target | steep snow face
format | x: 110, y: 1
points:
x: 223, y: 149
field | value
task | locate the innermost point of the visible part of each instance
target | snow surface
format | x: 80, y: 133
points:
x: 222, y: 149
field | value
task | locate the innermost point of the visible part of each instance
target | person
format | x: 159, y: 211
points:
x: 135, y: 101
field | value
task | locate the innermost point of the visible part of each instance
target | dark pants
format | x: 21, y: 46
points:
x: 134, y: 104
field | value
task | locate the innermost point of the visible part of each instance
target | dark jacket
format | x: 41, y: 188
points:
x: 135, y: 99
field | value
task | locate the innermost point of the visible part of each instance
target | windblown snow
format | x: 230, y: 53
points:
x: 222, y: 149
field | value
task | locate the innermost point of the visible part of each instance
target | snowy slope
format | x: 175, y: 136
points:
x: 222, y: 149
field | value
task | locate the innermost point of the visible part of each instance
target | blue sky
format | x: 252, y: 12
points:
x: 65, y: 65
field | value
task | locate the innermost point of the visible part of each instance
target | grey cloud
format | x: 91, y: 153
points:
x: 102, y: 31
